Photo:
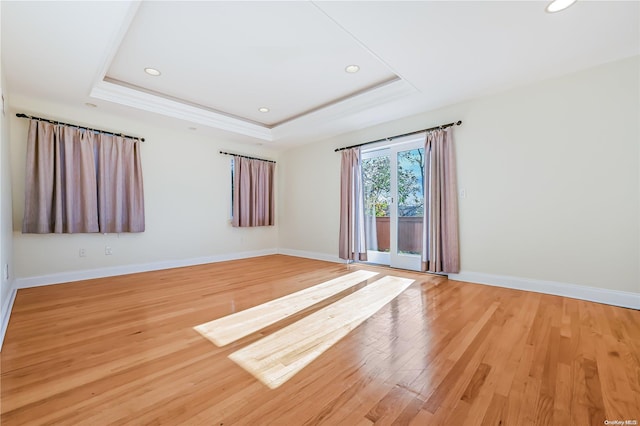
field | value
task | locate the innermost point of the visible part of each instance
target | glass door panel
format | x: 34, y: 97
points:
x: 376, y: 179
x: 409, y: 169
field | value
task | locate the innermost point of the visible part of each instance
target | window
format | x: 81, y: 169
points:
x: 80, y: 181
x: 252, y: 192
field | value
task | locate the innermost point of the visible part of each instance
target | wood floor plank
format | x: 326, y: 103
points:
x: 362, y: 389
x: 594, y: 392
x: 562, y: 400
x: 496, y: 413
x: 465, y: 362
x: 122, y: 350
x: 390, y: 406
x: 423, y: 418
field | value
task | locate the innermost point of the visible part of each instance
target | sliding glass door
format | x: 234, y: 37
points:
x: 393, y: 179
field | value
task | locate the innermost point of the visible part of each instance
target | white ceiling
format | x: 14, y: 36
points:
x: 221, y: 61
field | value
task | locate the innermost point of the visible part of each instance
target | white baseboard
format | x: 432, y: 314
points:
x: 311, y: 255
x: 624, y: 299
x: 7, y: 306
x: 88, y: 274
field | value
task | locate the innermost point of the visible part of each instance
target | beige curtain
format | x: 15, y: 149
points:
x: 352, y: 241
x: 253, y: 197
x: 440, y: 251
x: 67, y: 173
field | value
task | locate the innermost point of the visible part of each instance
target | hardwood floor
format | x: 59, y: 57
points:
x: 123, y: 350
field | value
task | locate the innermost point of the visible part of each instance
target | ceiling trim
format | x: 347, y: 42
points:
x: 361, y: 101
x: 334, y: 116
x: 137, y: 99
x: 185, y: 102
x: 116, y: 41
x: 333, y: 102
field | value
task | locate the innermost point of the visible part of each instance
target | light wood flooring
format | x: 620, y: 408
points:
x: 123, y: 350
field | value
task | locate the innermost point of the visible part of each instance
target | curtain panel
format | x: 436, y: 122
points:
x: 352, y: 241
x: 79, y: 181
x: 253, y: 197
x: 120, y: 189
x: 440, y: 251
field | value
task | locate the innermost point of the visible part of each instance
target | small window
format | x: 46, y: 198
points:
x: 252, y: 199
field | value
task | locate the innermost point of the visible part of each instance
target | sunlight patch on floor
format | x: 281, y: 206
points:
x: 276, y: 358
x: 230, y: 328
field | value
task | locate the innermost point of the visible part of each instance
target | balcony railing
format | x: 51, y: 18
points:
x: 409, y: 233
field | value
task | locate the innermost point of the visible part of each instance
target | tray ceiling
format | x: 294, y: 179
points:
x: 222, y: 61
x: 235, y: 58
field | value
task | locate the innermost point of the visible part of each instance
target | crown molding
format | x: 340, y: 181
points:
x: 354, y: 109
x: 137, y: 99
x: 329, y: 116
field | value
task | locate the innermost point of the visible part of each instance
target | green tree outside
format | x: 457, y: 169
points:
x: 376, y: 177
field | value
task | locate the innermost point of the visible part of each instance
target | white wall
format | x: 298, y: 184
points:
x: 6, y: 242
x: 551, y: 173
x: 187, y: 204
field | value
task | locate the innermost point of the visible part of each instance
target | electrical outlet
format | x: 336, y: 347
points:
x: 82, y: 252
x: 463, y: 193
x: 6, y: 271
x: 107, y: 251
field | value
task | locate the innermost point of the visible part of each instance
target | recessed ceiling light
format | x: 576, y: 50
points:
x: 558, y: 5
x: 90, y: 105
x: 352, y: 69
x: 263, y: 109
x: 152, y: 71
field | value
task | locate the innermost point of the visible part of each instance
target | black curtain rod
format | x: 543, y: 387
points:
x: 244, y: 156
x: 443, y: 126
x: 20, y: 115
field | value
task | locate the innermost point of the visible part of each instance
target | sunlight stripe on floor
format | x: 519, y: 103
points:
x: 276, y: 358
x: 230, y: 328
